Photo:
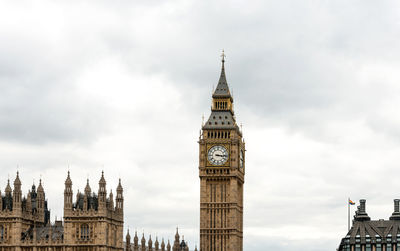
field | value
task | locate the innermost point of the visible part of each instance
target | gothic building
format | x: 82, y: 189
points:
x: 221, y: 171
x: 92, y: 223
x: 136, y: 246
x: 373, y: 235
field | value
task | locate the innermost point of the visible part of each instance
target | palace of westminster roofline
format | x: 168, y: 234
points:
x: 92, y: 222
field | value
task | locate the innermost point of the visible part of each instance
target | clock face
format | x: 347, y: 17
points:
x: 218, y: 155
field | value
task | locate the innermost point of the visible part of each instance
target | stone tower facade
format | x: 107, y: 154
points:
x: 93, y: 222
x: 221, y: 171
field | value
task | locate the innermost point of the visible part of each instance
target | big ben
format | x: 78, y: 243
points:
x: 221, y: 171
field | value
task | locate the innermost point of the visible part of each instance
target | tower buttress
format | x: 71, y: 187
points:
x: 128, y: 241
x: 102, y: 193
x: 120, y: 198
x: 17, y: 195
x: 111, y: 206
x: 68, y: 194
x: 40, y: 201
x: 136, y: 242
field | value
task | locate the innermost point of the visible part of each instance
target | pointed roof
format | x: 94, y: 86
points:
x: 128, y: 236
x: 143, y: 240
x: 119, y: 187
x: 222, y: 90
x: 8, y: 187
x: 40, y: 187
x: 68, y: 181
x: 17, y: 181
x: 102, y: 181
x: 88, y: 190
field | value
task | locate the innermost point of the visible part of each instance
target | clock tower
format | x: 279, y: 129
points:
x: 221, y: 171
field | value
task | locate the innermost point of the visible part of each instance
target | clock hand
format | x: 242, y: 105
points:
x: 219, y: 155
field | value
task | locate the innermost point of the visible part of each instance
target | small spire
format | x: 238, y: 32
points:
x: 222, y: 89
x: 119, y: 188
x: 88, y: 190
x: 40, y: 187
x: 17, y: 181
x: 68, y: 181
x: 8, y: 187
x: 102, y: 181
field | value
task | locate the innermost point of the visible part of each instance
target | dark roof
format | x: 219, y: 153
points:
x: 220, y: 120
x: 92, y: 201
x: 222, y: 90
x: 44, y: 232
x: 367, y: 231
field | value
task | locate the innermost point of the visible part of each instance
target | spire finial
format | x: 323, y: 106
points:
x: 223, y: 56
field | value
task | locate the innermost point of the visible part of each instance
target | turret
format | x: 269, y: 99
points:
x: 8, y: 197
x: 1, y: 202
x: 120, y: 198
x: 162, y: 245
x: 17, y: 195
x: 68, y: 193
x: 128, y: 242
x: 136, y: 242
x: 168, y: 246
x: 111, y: 198
x: 176, y: 242
x: 150, y: 243
x: 156, y: 245
x: 40, y: 202
x: 102, y: 192
x: 29, y: 202
x: 143, y: 246
x: 88, y: 191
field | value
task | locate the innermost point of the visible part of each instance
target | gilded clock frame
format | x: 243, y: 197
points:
x: 228, y: 149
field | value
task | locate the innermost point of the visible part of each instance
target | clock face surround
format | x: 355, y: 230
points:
x: 218, y: 155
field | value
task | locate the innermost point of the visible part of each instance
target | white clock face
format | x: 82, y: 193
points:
x: 218, y: 155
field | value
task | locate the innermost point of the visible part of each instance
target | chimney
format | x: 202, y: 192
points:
x: 396, y: 213
x: 361, y: 214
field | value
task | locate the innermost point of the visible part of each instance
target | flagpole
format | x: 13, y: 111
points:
x: 348, y: 214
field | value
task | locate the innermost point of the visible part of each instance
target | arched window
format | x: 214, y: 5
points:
x: 1, y: 233
x: 85, y: 232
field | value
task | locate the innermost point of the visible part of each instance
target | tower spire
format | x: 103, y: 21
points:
x: 222, y: 90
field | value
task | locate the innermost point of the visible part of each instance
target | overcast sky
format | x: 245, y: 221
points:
x: 122, y: 86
